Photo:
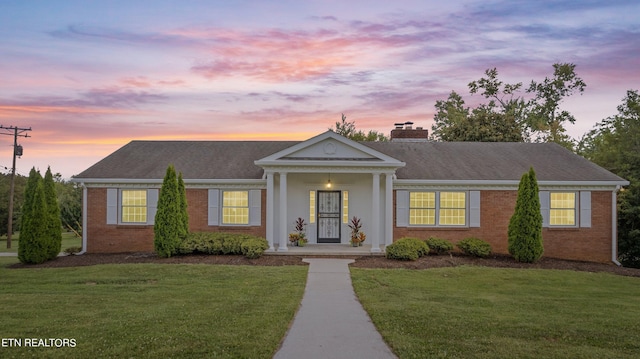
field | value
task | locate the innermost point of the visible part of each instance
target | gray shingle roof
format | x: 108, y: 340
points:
x: 195, y: 159
x: 490, y: 161
x: 424, y: 160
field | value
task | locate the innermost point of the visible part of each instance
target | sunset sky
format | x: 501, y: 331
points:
x: 90, y: 76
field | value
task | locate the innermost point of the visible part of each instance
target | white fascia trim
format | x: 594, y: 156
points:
x: 153, y: 183
x: 329, y: 163
x: 497, y: 184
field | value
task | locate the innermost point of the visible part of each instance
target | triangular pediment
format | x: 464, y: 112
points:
x: 329, y: 148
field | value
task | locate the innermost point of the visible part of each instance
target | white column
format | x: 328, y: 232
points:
x: 282, y: 232
x: 270, y: 208
x: 375, y: 214
x: 388, y: 209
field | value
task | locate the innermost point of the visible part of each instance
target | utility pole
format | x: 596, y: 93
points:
x: 17, y: 151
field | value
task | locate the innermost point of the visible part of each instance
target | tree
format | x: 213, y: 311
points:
x: 184, y: 214
x: 510, y: 116
x: 53, y: 238
x: 614, y: 144
x: 481, y: 125
x: 70, y: 200
x: 5, y: 183
x: 525, y: 226
x: 348, y: 130
x: 545, y: 116
x: 168, y: 223
x: 32, y: 248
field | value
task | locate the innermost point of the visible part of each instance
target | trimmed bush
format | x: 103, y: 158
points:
x: 439, y: 246
x: 254, y: 247
x: 407, y: 249
x: 475, y: 247
x: 223, y: 243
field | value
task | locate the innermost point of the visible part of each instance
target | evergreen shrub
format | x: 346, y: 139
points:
x: 439, y: 246
x: 475, y: 247
x: 223, y: 243
x: 407, y: 249
x: 254, y: 247
x: 525, y: 226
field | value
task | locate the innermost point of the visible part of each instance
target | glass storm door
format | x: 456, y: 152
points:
x: 328, y: 216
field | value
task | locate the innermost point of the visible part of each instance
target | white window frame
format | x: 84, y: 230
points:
x: 437, y: 211
x: 216, y: 212
x: 582, y: 209
x: 222, y: 208
x: 576, y: 210
x: 115, y: 204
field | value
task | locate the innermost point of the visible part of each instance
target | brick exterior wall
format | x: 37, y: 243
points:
x: 117, y: 238
x: 586, y: 244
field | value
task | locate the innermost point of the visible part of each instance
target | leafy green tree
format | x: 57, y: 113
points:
x: 614, y: 144
x: 18, y: 196
x: 53, y: 239
x: 481, y: 125
x: 545, y: 115
x: 525, y: 226
x: 33, y: 248
x: 184, y: 214
x: 168, y: 221
x: 348, y: 130
x: 70, y: 201
x: 509, y: 115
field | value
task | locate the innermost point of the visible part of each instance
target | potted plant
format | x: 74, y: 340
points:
x: 299, y: 236
x: 294, y: 238
x: 357, y: 235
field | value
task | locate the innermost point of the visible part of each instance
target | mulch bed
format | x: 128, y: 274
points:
x: 427, y: 262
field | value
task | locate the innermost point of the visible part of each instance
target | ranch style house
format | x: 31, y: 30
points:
x: 408, y: 186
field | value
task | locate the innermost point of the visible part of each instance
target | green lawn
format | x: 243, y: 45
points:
x: 150, y: 310
x: 68, y: 240
x: 476, y: 312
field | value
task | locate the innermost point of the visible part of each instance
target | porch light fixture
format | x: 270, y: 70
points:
x: 329, y: 181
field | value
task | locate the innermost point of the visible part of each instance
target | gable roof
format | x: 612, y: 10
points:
x: 330, y: 149
x: 454, y: 161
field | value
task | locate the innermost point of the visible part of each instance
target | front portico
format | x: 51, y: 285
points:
x: 327, y: 180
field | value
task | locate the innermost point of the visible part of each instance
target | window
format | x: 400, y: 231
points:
x: 134, y: 206
x: 235, y: 207
x: 312, y: 206
x: 562, y: 209
x: 422, y: 208
x: 345, y: 206
x: 450, y: 208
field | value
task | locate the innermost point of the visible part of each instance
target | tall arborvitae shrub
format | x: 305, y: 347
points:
x: 168, y: 223
x: 54, y: 225
x: 184, y: 215
x: 32, y: 247
x: 525, y: 226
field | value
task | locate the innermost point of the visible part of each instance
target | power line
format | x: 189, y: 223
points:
x: 17, y: 152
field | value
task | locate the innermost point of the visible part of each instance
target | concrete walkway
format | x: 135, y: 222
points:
x: 331, y: 323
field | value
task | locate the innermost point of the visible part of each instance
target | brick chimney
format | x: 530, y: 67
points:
x: 405, y: 132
